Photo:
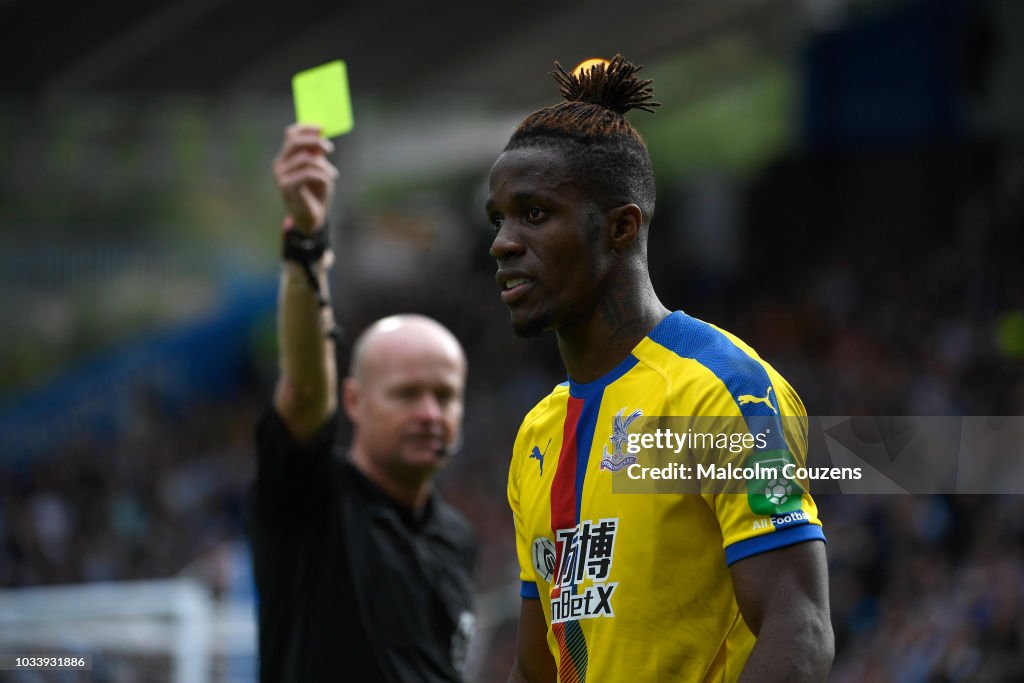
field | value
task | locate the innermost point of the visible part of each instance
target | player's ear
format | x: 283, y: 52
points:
x: 625, y: 222
x: 350, y: 398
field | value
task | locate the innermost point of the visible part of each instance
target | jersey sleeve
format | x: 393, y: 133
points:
x: 768, y: 512
x: 747, y: 533
x: 528, y: 582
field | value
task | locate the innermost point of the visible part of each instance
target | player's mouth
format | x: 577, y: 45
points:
x: 513, y: 286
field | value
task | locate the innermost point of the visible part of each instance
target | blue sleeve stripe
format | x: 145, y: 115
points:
x: 773, y: 541
x: 691, y: 338
x: 528, y: 589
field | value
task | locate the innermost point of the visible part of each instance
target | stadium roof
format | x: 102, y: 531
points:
x: 395, y: 49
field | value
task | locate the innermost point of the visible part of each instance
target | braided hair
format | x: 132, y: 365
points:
x: 604, y: 152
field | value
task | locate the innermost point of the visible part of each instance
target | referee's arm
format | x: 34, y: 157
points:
x: 306, y: 393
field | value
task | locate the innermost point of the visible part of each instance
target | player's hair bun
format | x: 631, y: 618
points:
x: 612, y: 85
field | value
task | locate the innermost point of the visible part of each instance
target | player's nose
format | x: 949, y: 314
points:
x: 505, y: 245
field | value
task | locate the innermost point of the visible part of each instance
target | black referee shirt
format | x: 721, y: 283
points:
x: 352, y: 586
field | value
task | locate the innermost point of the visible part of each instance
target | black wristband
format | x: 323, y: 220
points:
x: 306, y: 250
x: 302, y: 248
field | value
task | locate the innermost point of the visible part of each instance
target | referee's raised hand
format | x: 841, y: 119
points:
x: 305, y: 177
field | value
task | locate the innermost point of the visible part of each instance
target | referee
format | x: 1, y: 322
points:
x: 363, y: 572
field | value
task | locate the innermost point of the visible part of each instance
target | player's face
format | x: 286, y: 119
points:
x: 547, y: 241
x: 409, y: 405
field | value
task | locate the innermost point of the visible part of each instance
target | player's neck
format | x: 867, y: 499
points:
x: 625, y: 315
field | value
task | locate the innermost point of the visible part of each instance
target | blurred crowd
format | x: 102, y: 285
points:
x: 894, y: 306
x: 144, y: 506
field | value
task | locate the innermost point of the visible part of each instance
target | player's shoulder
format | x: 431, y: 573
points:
x: 551, y: 406
x: 687, y: 337
x: 682, y: 345
x: 786, y: 394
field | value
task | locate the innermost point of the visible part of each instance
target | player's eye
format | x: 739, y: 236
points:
x: 496, y: 221
x: 535, y: 214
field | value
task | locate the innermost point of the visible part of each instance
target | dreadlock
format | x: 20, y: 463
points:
x: 603, y: 150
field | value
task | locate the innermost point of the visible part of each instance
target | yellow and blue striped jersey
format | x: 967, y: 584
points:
x: 636, y: 586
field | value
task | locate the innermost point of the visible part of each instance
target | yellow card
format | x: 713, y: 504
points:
x: 322, y: 98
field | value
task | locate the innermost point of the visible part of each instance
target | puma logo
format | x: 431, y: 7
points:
x: 749, y: 398
x: 537, y: 455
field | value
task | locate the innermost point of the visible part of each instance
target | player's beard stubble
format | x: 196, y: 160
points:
x: 532, y: 326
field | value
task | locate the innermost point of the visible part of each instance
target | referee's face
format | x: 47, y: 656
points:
x: 406, y: 402
x: 547, y: 241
